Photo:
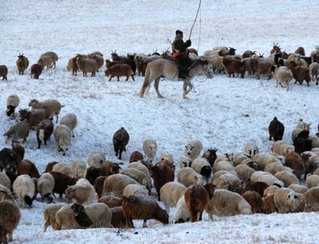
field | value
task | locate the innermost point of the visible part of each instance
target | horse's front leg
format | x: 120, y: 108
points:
x: 187, y: 87
x: 156, y: 85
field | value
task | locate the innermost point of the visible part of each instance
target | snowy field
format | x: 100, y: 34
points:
x: 222, y: 112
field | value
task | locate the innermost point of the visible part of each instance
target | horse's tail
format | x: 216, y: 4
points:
x: 146, y: 83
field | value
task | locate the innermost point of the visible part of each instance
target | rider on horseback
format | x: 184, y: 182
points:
x: 180, y: 54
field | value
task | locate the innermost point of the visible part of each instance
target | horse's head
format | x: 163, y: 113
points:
x: 201, y: 67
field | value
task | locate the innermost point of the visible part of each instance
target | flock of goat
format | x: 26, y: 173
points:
x: 98, y: 193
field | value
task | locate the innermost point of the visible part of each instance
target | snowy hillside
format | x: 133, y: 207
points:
x: 221, y: 112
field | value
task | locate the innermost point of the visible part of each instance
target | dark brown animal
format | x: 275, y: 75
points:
x: 9, y: 218
x: 62, y: 182
x: 138, y: 207
x: 80, y: 215
x: 26, y: 167
x: 300, y: 51
x: 248, y: 53
x: 275, y: 49
x: 33, y: 117
x: 73, y: 66
x: 196, y: 199
x: 44, y: 131
x: 302, y: 142
x: 98, y: 185
x: 300, y: 73
x: 294, y: 161
x: 119, y: 70
x: 129, y: 59
x: 111, y: 201
x: 136, y: 156
x: 233, y: 65
x: 49, y: 166
x: 18, y: 149
x: 276, y: 130
x: 211, y: 156
x: 258, y: 187
x: 119, y: 219
x: 36, y: 70
x: 162, y: 173
x: 255, y: 201
x: 22, y: 64
x: 268, y: 206
x: 120, y: 141
x: 3, y: 72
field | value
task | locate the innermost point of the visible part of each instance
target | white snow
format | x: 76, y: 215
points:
x: 216, y: 112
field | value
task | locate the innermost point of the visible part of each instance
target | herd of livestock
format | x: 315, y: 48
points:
x: 98, y: 193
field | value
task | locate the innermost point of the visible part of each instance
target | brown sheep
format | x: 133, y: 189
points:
x: 197, y: 197
x: 294, y: 161
x: 44, y: 131
x: 22, y: 64
x: 19, y: 151
x: 264, y: 67
x: 98, y: 57
x: 136, y: 156
x: 86, y: 65
x: 120, y: 141
x: 161, y: 174
x: 9, y: 218
x: 138, y: 207
x: 111, y: 201
x: 120, y: 70
x: 119, y: 219
x: 34, y: 116
x: 62, y: 182
x: 255, y: 201
x: 233, y: 65
x: 3, y: 72
x: 98, y: 185
x: 300, y: 73
x: 36, y: 70
x: 268, y: 206
x: 258, y: 187
x: 26, y: 167
x: 72, y: 66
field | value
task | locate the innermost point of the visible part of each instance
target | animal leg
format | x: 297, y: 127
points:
x: 110, y: 78
x: 118, y: 78
x: 144, y: 223
x: 127, y: 78
x: 156, y: 85
x: 133, y: 77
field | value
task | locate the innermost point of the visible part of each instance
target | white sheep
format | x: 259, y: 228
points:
x: 170, y: 193
x: 193, y: 149
x: 62, y: 136
x: 251, y: 149
x: 115, y: 184
x: 312, y: 181
x: 24, y: 189
x: 244, y: 172
x: 263, y: 159
x: 182, y: 213
x: 139, y: 176
x: 287, y: 177
x: 227, y: 181
x: 276, y: 167
x: 45, y: 186
x: 283, y: 76
x: 287, y: 200
x: 140, y: 166
x: 135, y: 190
x: 281, y: 148
x: 202, y: 166
x: 314, y: 72
x: 239, y: 158
x: 4, y: 179
x: 12, y: 103
x: 167, y: 157
x: 265, y: 177
x: 96, y: 159
x: 227, y: 203
x: 223, y: 165
x: 298, y: 188
x: 63, y: 169
x: 70, y: 120
x: 82, y: 192
x: 314, y: 141
x: 49, y: 215
x: 185, y: 162
x: 78, y: 169
x: 301, y: 125
x: 187, y: 176
x: 150, y: 149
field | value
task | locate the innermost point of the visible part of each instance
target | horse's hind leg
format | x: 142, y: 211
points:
x: 156, y: 85
x: 187, y: 87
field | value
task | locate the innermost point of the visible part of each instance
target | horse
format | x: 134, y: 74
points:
x: 168, y: 69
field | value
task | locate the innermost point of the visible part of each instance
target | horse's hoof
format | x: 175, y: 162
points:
x: 160, y: 96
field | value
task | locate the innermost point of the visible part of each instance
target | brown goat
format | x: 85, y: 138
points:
x: 62, y: 182
x: 233, y: 65
x: 138, y: 207
x: 22, y: 64
x: 255, y: 201
x: 119, y: 219
x: 36, y: 70
x: 44, y: 131
x: 136, y: 156
x: 111, y: 201
x: 120, y: 70
x: 162, y: 173
x: 300, y: 73
x: 26, y: 167
x: 294, y: 161
x: 3, y: 72
x: 196, y: 199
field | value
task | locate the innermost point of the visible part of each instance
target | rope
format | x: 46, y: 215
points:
x: 200, y: 29
x: 190, y: 33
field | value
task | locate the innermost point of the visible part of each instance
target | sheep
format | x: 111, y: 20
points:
x: 216, y: 62
x: 287, y: 177
x: 136, y: 156
x: 182, y: 213
x: 49, y: 58
x: 116, y: 183
x: 312, y: 199
x: 137, y: 207
x: 211, y: 156
x: 248, y: 53
x: 188, y: 176
x: 120, y: 141
x: 298, y: 188
x: 70, y: 120
x: 6, y: 194
x: 3, y: 72
x: 196, y: 199
x: 44, y: 131
x: 251, y: 149
x: 36, y: 71
x: 263, y: 159
x: 98, y: 213
x: 287, y: 201
x: 150, y: 148
x: 22, y: 63
x: 135, y: 190
x: 264, y: 66
x: 96, y: 159
x: 296, y: 60
x: 18, y: 131
x: 26, y: 167
x: 120, y: 70
x: 282, y: 148
x: 49, y: 167
x: 314, y: 72
x: 283, y: 76
x: 170, y: 193
x: 139, y: 166
x: 98, y: 57
x: 315, y: 55
x: 19, y: 150
x: 111, y: 201
x: 119, y: 219
x: 93, y: 173
x: 86, y: 65
x: 255, y: 201
x: 49, y: 215
x: 8, y: 163
x: 233, y: 65
x: 63, y: 169
x: 12, y: 102
x: 62, y: 182
x: 303, y: 143
x: 24, y: 188
x: 223, y: 165
x: 227, y: 203
x: 275, y: 167
x: 300, y: 73
x: 244, y: 172
x: 295, y: 162
x: 140, y: 177
x: 201, y: 166
x: 228, y: 181
x: 78, y: 169
x: 4, y: 179
x: 240, y: 158
x: 193, y: 149
x: 62, y: 136
x: 33, y: 117
x: 51, y: 106
x: 45, y: 186
x: 161, y: 174
x: 72, y: 66
x: 10, y: 216
x: 46, y: 61
x: 300, y: 51
x: 314, y: 141
x: 312, y: 181
x: 311, y: 162
x: 269, y: 179
x: 82, y: 192
x: 98, y: 185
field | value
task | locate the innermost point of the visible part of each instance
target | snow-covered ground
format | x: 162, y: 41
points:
x: 221, y: 112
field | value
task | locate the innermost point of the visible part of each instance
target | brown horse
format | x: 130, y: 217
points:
x: 168, y: 69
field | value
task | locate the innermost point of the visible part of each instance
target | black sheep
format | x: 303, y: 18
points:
x: 120, y: 141
x: 276, y: 130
